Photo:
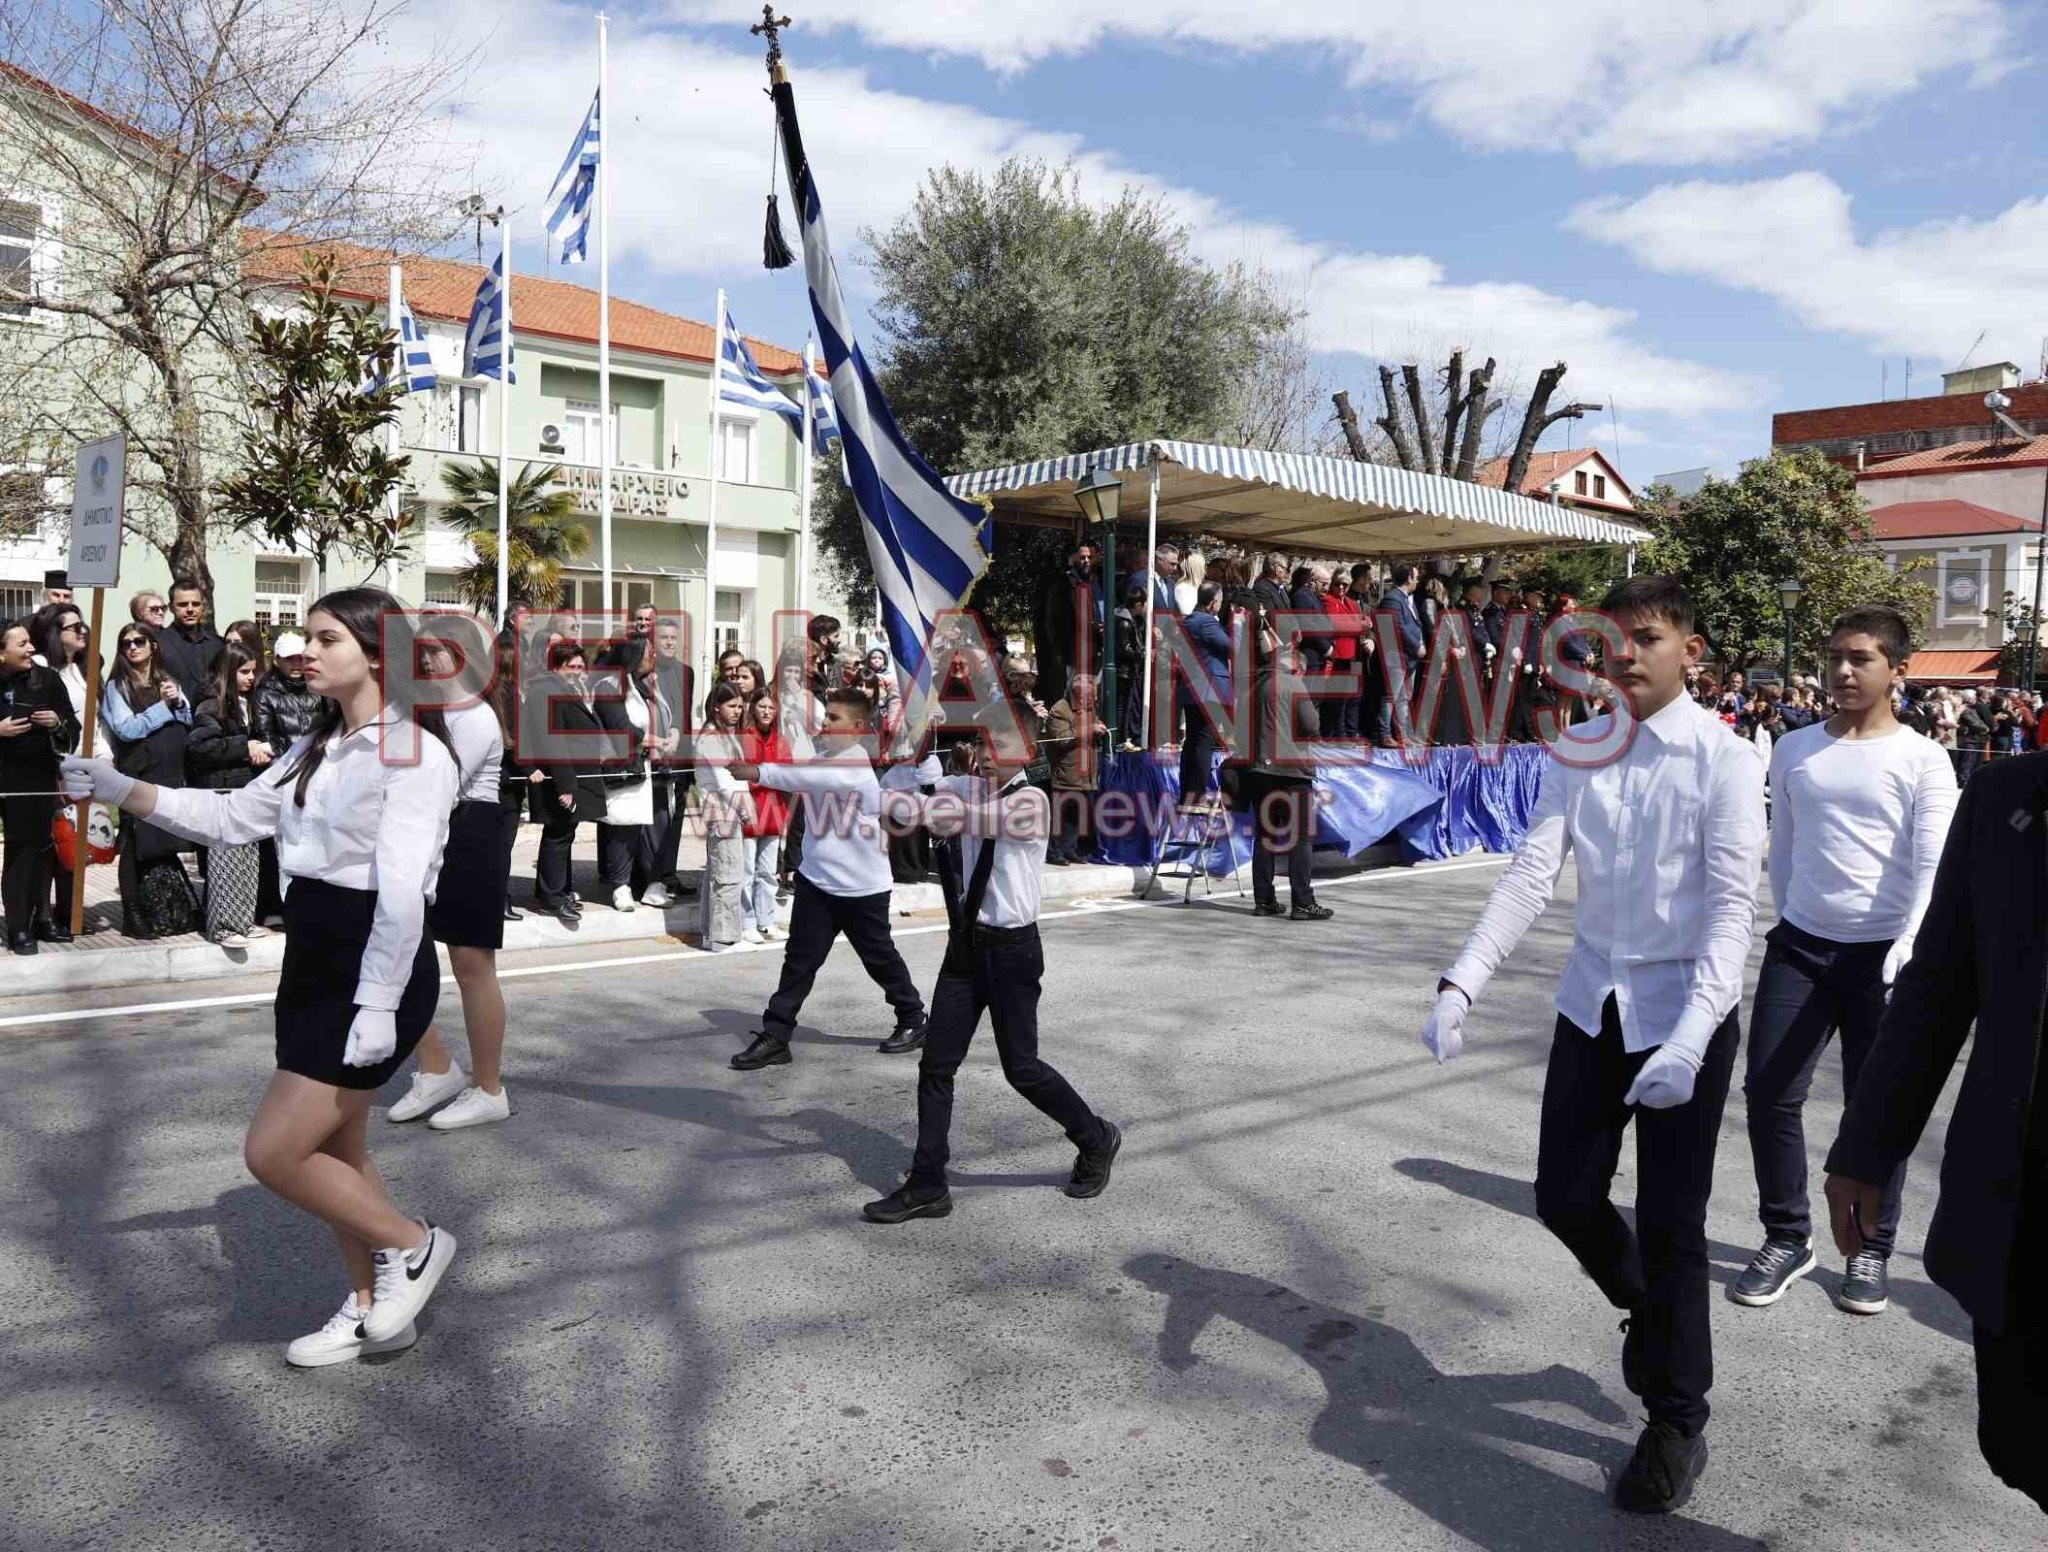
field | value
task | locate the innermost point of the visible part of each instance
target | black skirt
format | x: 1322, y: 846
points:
x: 327, y: 928
x: 468, y: 908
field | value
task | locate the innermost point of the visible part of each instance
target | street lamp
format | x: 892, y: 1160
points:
x: 1099, y: 494
x: 1788, y: 595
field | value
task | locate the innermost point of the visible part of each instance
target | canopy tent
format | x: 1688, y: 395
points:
x: 1293, y: 502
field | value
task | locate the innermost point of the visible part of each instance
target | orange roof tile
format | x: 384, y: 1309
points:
x: 443, y: 289
x: 1953, y: 667
x: 1944, y: 519
x: 1962, y: 457
x: 1545, y: 467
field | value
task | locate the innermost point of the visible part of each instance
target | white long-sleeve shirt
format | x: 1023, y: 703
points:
x: 1669, y: 839
x: 1857, y: 827
x: 479, y: 750
x: 843, y: 849
x: 370, y: 822
x: 1016, y: 819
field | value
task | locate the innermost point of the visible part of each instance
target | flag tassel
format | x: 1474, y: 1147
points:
x: 775, y: 249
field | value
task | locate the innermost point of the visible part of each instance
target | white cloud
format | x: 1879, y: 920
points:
x: 689, y: 131
x: 1920, y: 290
x: 1613, y: 81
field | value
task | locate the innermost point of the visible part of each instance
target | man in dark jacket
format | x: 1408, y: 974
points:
x: 1981, y: 957
x: 1068, y: 594
x: 1272, y: 585
x: 188, y: 647
x: 1401, y: 655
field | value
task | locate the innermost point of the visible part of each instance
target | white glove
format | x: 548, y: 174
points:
x: 1665, y: 1079
x: 1444, y: 1032
x: 371, y: 1038
x: 96, y: 778
x: 1895, y: 959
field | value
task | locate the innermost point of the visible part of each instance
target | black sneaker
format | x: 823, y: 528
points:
x: 1091, y: 1170
x: 1864, y: 1289
x: 908, y: 1201
x: 1771, y: 1271
x: 908, y: 1037
x: 1269, y: 908
x: 766, y: 1051
x: 1310, y: 912
x: 1659, y: 1477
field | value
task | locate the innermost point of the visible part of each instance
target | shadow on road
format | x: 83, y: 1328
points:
x: 1430, y: 1438
x: 1920, y: 1299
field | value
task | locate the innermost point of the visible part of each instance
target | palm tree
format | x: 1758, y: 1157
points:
x: 543, y: 532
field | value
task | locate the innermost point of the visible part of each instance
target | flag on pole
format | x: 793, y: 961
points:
x: 569, y: 198
x: 485, y: 350
x: 741, y: 381
x: 824, y: 418
x: 928, y: 547
x: 419, y: 365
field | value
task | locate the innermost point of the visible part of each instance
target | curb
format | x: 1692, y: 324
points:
x: 100, y: 969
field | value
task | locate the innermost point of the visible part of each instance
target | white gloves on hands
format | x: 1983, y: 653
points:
x: 1895, y: 959
x: 1444, y: 1032
x: 95, y: 778
x: 1665, y: 1079
x: 372, y: 1037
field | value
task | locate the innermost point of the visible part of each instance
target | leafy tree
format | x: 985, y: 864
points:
x: 1583, y: 570
x: 1017, y: 321
x: 1789, y: 515
x: 316, y: 474
x: 541, y: 530
x: 2017, y: 615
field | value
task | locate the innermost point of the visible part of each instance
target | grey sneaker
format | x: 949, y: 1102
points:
x: 1864, y: 1289
x: 1772, y: 1270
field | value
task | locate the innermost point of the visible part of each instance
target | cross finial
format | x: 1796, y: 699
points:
x: 770, y: 27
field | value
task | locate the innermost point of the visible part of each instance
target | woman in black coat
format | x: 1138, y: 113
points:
x: 571, y: 790
x: 222, y: 753
x: 37, y: 728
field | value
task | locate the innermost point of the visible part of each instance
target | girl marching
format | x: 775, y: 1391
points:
x: 359, y: 838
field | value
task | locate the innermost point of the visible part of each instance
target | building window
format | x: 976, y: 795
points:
x: 736, y: 451
x: 1579, y: 483
x: 1599, y: 487
x: 579, y: 432
x: 585, y: 594
x: 443, y: 587
x: 732, y: 626
x: 280, y: 592
x: 18, y: 600
x: 458, y: 417
x: 20, y: 225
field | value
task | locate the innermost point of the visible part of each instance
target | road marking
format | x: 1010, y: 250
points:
x: 686, y: 955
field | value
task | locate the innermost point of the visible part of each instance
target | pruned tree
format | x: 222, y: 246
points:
x: 1447, y: 436
x: 148, y: 145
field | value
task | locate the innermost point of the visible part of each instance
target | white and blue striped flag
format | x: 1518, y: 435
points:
x: 741, y: 382
x: 824, y: 416
x: 928, y: 547
x: 485, y: 351
x: 419, y: 375
x: 575, y: 186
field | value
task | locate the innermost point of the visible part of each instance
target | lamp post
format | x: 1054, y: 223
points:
x: 1788, y: 595
x: 1099, y: 494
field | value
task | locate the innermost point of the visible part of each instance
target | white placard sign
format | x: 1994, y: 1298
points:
x: 98, y: 485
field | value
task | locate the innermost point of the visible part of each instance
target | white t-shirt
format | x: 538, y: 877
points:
x: 1857, y: 827
x: 843, y: 850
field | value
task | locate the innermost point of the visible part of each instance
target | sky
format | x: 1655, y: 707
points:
x: 1710, y: 212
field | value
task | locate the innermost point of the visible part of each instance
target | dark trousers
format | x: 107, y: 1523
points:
x: 1339, y: 717
x: 1072, y: 824
x: 998, y: 970
x: 552, y: 881
x: 1284, y: 817
x: 1197, y: 757
x: 793, y: 842
x: 671, y: 796
x: 619, y: 849
x: 30, y: 856
x: 1658, y: 1270
x: 1808, y: 989
x: 816, y: 920
x: 269, y: 893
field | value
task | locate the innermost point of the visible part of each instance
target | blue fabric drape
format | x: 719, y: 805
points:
x: 1485, y: 807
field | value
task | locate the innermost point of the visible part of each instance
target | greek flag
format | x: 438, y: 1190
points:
x: 740, y: 380
x: 569, y: 198
x: 824, y: 418
x: 419, y: 365
x: 927, y: 547
x: 485, y: 351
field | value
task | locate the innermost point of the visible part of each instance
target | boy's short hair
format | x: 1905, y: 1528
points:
x: 823, y: 626
x: 1887, y: 625
x: 1664, y: 598
x: 859, y: 702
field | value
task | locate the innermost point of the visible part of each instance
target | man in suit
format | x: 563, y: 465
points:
x: 1271, y: 586
x: 1060, y: 609
x: 1981, y: 958
x: 1165, y: 572
x: 188, y: 647
x: 1402, y: 653
x: 1306, y: 598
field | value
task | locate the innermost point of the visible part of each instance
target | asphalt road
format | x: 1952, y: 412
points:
x: 1313, y: 1311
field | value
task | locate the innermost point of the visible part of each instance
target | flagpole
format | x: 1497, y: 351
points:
x: 711, y: 506
x: 504, y: 419
x: 604, y: 322
x: 803, y: 520
x: 401, y: 366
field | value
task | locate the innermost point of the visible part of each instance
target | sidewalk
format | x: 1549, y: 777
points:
x: 102, y: 957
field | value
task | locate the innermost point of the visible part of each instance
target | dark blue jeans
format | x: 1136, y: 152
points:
x: 1809, y: 988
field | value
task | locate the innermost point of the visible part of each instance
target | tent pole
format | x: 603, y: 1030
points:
x: 1151, y: 583
x: 1631, y: 560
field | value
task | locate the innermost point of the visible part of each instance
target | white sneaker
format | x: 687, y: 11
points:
x: 474, y: 1108
x: 428, y: 1090
x: 406, y: 1279
x: 657, y: 897
x: 622, y: 899
x: 233, y: 940
x: 259, y: 931
x: 752, y: 935
x: 342, y: 1338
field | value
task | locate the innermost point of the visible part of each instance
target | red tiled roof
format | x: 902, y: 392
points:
x: 1944, y: 519
x: 1953, y: 667
x: 443, y: 289
x: 1933, y: 413
x: 1545, y: 467
x: 1962, y: 458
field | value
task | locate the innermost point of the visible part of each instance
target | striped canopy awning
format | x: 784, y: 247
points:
x: 1291, y: 501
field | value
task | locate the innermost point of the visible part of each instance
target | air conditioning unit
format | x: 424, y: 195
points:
x: 551, y: 437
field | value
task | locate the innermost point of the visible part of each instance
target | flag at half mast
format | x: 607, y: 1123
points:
x: 927, y: 546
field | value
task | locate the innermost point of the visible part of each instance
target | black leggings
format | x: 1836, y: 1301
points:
x: 30, y: 857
